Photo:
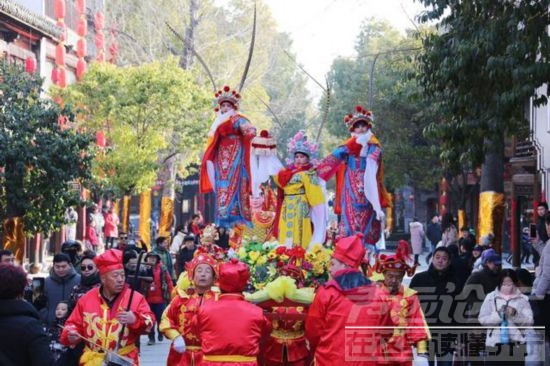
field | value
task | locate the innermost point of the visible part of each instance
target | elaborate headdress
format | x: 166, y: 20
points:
x: 228, y: 95
x: 397, y: 262
x: 360, y: 114
x: 300, y: 144
x: 200, y: 258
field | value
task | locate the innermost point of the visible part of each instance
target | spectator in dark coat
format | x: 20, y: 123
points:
x: 480, y: 283
x: 23, y: 341
x: 437, y: 289
x: 58, y: 286
x: 476, y: 288
x: 433, y: 233
x: 89, y: 279
x: 185, y: 253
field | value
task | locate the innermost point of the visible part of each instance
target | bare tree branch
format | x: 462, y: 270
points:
x: 250, y: 50
x: 203, y: 63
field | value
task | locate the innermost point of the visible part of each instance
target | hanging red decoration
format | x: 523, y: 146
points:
x: 444, y: 185
x: 99, y: 20
x: 81, y: 47
x: 30, y: 64
x: 80, y: 68
x: 81, y: 27
x: 60, y: 55
x: 443, y: 199
x: 100, y: 139
x: 80, y: 6
x: 100, y: 40
x: 59, y: 8
x: 55, y: 75
x: 62, y: 77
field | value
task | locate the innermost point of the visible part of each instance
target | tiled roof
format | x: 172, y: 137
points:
x: 31, y: 19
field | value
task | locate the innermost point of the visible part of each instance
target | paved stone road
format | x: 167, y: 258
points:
x: 154, y: 355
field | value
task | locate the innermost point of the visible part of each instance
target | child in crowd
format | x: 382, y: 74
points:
x: 54, y: 332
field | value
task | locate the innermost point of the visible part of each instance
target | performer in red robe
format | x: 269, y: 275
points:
x: 101, y: 314
x: 231, y: 328
x: 407, y: 318
x: 286, y: 307
x: 342, y: 325
x: 176, y: 319
x: 225, y: 168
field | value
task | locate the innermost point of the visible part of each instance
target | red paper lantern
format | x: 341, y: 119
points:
x: 80, y: 68
x: 100, y: 40
x: 81, y: 49
x: 30, y: 64
x: 81, y: 27
x: 60, y: 55
x: 80, y: 6
x: 99, y: 20
x: 100, y: 139
x: 55, y: 75
x: 444, y: 185
x: 443, y: 199
x: 62, y: 77
x: 59, y: 8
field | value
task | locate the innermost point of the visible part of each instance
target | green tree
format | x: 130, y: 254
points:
x: 148, y: 113
x: 483, y: 65
x: 400, y: 116
x: 39, y: 153
x: 222, y: 34
x: 488, y: 58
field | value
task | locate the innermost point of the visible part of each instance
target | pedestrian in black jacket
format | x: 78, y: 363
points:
x: 23, y: 341
x: 438, y: 288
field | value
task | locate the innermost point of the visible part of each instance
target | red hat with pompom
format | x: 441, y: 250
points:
x: 350, y: 250
x: 234, y: 276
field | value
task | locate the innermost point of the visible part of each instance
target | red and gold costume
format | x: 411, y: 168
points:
x: 231, y: 329
x: 228, y: 150
x: 348, y: 300
x: 176, y: 319
x: 286, y: 307
x: 410, y: 327
x: 406, y: 315
x: 94, y: 320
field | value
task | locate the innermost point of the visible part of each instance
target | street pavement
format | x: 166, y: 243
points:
x: 153, y: 355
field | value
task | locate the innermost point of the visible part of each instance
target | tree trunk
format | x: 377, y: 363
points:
x: 491, y: 197
x: 187, y: 59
